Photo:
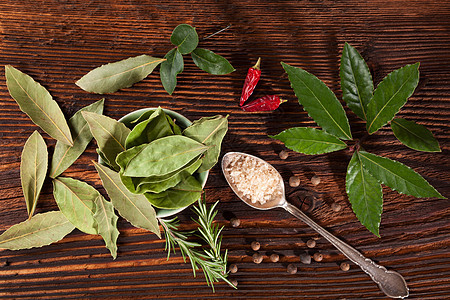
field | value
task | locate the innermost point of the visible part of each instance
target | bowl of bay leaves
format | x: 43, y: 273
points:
x: 167, y: 157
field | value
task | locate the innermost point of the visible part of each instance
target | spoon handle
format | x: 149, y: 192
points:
x: 391, y: 283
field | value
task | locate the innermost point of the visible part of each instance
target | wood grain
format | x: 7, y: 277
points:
x: 57, y: 42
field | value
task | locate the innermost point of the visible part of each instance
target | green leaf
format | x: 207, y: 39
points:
x: 163, y: 156
x: 33, y: 168
x: 170, y: 68
x: 40, y: 230
x: 397, y: 176
x: 134, y: 208
x: 209, y: 131
x: 356, y: 81
x: 185, y: 38
x: 319, y: 101
x: 210, y: 62
x: 107, y: 223
x: 38, y: 104
x: 76, y: 200
x: 365, y: 195
x: 309, y: 140
x: 155, y: 127
x: 118, y: 75
x: 390, y: 95
x: 414, y: 136
x: 175, y: 128
x: 109, y: 134
x: 183, y: 194
x: 64, y: 156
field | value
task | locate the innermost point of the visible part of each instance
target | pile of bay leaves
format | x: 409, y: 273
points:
x: 152, y: 163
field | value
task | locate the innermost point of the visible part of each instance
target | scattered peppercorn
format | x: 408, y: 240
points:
x: 305, y: 258
x: 311, y: 243
x: 274, y: 257
x: 283, y: 154
x: 251, y: 80
x: 335, y: 206
x: 318, y: 256
x: 235, y: 222
x: 294, y: 181
x: 233, y: 268
x: 266, y: 103
x: 234, y: 282
x: 315, y: 180
x: 257, y: 258
x: 255, y: 245
x: 292, y: 269
x: 345, y: 266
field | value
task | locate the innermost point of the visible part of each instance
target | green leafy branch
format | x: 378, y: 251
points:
x: 366, y: 172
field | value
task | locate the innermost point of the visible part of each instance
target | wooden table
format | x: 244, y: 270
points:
x: 56, y: 42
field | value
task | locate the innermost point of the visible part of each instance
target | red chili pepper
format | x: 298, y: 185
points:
x: 266, y: 103
x: 253, y: 75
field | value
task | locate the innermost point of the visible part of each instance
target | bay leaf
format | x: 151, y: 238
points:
x: 40, y: 230
x: 175, y: 128
x: 163, y: 156
x: 118, y: 75
x: 64, y: 156
x: 38, y: 104
x: 309, y: 140
x: 319, y: 101
x: 414, y: 136
x: 397, y: 176
x: 185, y: 38
x: 183, y: 194
x: 106, y: 221
x: 170, y: 68
x: 76, y: 199
x: 390, y: 95
x: 209, y: 131
x: 109, y: 134
x: 365, y: 195
x: 134, y: 208
x: 211, y: 62
x: 33, y: 169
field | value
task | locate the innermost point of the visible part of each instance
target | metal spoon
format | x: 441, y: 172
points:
x: 390, y: 282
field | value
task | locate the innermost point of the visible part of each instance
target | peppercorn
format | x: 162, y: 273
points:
x: 311, y: 243
x: 294, y: 181
x: 315, y: 180
x: 274, y: 257
x: 235, y: 222
x: 283, y: 154
x: 345, y: 266
x: 234, y: 282
x: 318, y: 256
x: 255, y: 245
x: 305, y: 258
x: 257, y: 258
x: 335, y: 206
x: 233, y: 268
x: 292, y: 269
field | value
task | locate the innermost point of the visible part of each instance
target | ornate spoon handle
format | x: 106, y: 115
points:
x: 390, y: 282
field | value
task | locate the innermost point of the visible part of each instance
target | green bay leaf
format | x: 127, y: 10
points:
x: 40, y: 230
x: 356, y: 81
x: 365, y: 195
x: 309, y: 140
x: 211, y: 62
x: 76, y: 200
x: 33, y: 169
x: 170, y: 68
x: 118, y: 75
x: 397, y: 176
x: 175, y: 128
x: 38, y: 104
x: 319, y: 101
x: 390, y: 95
x: 414, y: 136
x: 185, y: 38
x: 107, y: 223
x: 64, y: 156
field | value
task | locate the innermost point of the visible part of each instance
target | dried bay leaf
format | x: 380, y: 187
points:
x: 118, y: 75
x: 76, y: 199
x: 107, y: 223
x: 40, y: 230
x: 33, y: 168
x: 175, y: 128
x: 38, y: 104
x: 64, y: 156
x: 134, y: 208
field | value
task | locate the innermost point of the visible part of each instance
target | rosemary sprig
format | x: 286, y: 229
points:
x: 209, y: 259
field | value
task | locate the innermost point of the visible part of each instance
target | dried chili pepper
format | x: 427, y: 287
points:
x: 266, y: 103
x: 253, y: 75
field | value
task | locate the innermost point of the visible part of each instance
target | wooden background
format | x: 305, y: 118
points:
x: 58, y: 41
